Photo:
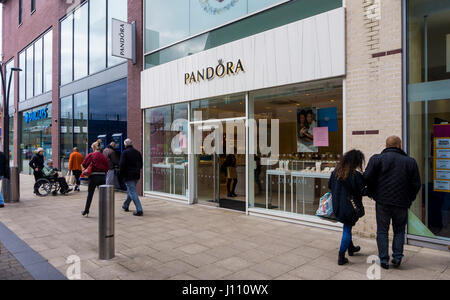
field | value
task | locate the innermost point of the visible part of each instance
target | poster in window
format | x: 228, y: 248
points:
x: 306, y: 122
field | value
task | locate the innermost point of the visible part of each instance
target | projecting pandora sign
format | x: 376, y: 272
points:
x: 210, y: 73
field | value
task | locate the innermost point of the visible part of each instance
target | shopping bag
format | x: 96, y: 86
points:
x: 70, y: 178
x: 325, y: 210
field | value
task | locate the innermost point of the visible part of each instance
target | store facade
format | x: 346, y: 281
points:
x: 254, y: 124
x: 35, y: 132
x: 427, y: 78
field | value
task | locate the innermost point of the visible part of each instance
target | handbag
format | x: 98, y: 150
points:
x: 89, y: 170
x: 325, y: 210
x: 359, y: 211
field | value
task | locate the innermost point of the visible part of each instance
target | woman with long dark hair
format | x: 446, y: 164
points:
x: 347, y: 186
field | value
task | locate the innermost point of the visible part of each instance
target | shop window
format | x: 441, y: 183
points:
x: 36, y: 132
x: 298, y: 148
x: 165, y: 150
x: 429, y: 115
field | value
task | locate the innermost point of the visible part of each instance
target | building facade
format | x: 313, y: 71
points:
x: 243, y: 104
x: 71, y: 90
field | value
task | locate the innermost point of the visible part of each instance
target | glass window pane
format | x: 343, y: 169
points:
x: 119, y: 11
x: 30, y: 72
x: 38, y: 67
x: 66, y: 130
x: 281, y: 15
x: 219, y: 108
x: 48, y: 61
x: 81, y: 42
x: 209, y: 14
x: 66, y: 49
x: 36, y: 132
x: 111, y: 118
x: 97, y: 36
x: 22, y: 76
x: 9, y: 66
x: 80, y: 115
x: 166, y: 139
x: 165, y: 23
x: 425, y: 20
x: 299, y: 108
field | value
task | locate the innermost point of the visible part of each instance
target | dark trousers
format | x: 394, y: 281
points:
x: 63, y: 184
x: 37, y: 175
x: 399, y: 217
x: 94, y: 182
x: 258, y: 181
x: 77, y: 174
x: 231, y: 189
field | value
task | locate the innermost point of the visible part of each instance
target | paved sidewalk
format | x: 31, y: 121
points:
x: 10, y: 268
x: 176, y: 241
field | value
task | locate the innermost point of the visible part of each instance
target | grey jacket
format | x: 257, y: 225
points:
x: 113, y: 157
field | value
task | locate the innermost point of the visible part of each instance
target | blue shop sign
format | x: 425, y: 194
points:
x: 36, y: 115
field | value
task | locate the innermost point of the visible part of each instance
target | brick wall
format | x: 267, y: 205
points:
x: 373, y: 84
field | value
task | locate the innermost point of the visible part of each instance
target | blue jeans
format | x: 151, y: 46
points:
x: 399, y: 217
x: 132, y: 196
x: 2, y: 201
x: 346, y: 238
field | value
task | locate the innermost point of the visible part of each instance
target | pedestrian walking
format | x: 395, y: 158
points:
x: 130, y: 169
x: 96, y: 165
x: 75, y: 161
x: 347, y: 187
x: 393, y: 181
x: 37, y: 164
x: 4, y: 173
x: 113, y: 158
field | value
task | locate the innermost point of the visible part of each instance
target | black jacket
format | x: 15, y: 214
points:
x: 130, y: 164
x: 3, y: 166
x: 37, y: 161
x: 393, y: 178
x: 342, y: 206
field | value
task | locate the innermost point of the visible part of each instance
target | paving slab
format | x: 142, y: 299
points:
x: 180, y: 242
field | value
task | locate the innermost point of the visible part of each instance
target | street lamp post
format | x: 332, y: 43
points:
x: 6, y: 91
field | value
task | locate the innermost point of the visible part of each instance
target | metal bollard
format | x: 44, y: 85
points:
x: 11, y: 187
x: 106, y: 222
x: 14, y: 187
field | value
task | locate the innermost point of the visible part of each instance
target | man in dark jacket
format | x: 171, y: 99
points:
x: 37, y: 164
x: 393, y: 181
x: 130, y: 170
x: 3, y: 174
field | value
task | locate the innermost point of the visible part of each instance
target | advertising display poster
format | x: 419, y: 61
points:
x: 328, y: 118
x: 442, y: 164
x: 306, y: 122
x: 321, y: 137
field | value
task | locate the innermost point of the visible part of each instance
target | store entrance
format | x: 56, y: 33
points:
x: 220, y: 166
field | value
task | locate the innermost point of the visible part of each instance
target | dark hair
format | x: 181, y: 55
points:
x: 349, y: 163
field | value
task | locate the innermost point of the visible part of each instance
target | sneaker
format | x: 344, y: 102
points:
x: 138, y: 214
x: 125, y: 209
x: 2, y: 205
x: 385, y: 266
